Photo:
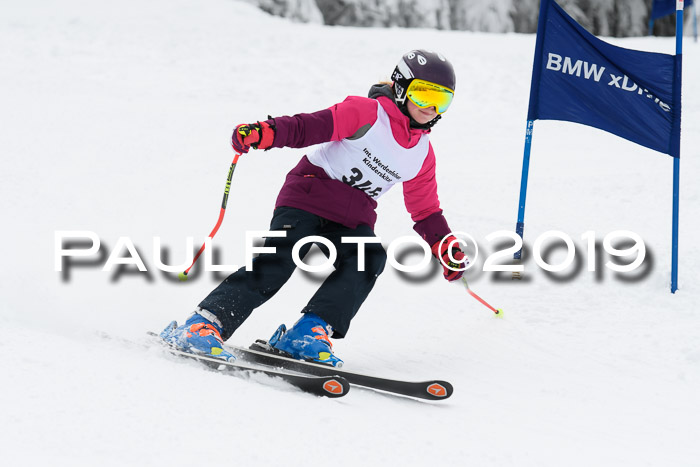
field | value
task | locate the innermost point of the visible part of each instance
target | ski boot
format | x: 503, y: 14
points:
x: 198, y: 335
x: 307, y: 340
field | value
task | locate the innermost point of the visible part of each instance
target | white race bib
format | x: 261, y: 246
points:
x: 373, y: 163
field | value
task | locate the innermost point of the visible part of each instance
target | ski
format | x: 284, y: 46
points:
x: 327, y: 385
x: 263, y: 354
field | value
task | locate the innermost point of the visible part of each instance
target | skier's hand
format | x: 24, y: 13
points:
x: 442, y: 250
x: 258, y: 135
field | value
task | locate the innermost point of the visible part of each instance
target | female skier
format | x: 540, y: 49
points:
x: 370, y: 145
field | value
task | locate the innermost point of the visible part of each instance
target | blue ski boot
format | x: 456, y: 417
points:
x: 198, y: 335
x: 307, y: 340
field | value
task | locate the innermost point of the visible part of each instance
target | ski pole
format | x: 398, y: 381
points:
x: 183, y: 275
x: 497, y: 311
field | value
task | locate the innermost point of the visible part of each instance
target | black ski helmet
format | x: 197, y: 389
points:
x: 425, y: 65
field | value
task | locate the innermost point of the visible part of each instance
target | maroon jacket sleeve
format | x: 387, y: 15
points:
x: 433, y: 228
x: 302, y: 130
x: 333, y: 124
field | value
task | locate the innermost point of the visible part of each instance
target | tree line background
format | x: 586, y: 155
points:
x: 618, y: 18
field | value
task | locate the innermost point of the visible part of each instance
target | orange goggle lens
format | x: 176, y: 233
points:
x: 426, y: 94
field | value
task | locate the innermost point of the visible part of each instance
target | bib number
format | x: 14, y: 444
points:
x: 355, y: 181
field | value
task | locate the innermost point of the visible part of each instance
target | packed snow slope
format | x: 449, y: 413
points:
x: 115, y: 120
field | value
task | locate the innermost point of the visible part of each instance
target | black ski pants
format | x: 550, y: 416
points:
x: 338, y: 298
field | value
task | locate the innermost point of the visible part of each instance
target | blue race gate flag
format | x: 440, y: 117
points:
x: 661, y: 8
x: 579, y: 78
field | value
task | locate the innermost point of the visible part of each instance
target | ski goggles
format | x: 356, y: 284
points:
x: 426, y: 94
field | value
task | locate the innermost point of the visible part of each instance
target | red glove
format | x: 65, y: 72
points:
x: 259, y: 135
x: 442, y: 250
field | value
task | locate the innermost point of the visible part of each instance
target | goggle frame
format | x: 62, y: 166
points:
x: 443, y: 93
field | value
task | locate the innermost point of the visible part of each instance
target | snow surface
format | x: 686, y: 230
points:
x: 115, y: 119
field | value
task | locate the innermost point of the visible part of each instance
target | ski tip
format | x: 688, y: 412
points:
x: 439, y: 390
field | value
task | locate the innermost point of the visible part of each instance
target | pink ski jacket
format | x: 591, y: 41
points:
x: 319, y: 189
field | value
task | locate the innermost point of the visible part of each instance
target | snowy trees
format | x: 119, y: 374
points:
x: 616, y: 18
x: 299, y: 10
x: 601, y: 17
x: 479, y: 15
